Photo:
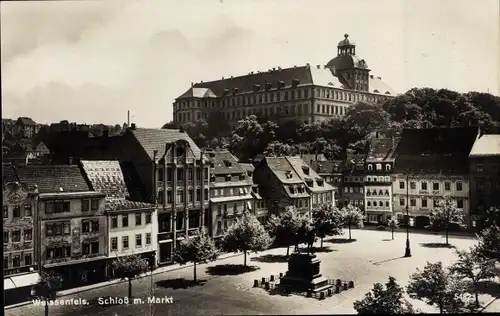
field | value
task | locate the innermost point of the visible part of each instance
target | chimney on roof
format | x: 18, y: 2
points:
x: 295, y: 82
x: 132, y: 126
x: 294, y: 66
x: 371, y: 76
x: 274, y: 69
x: 222, y: 77
x: 318, y: 66
x: 279, y: 68
x: 379, y: 77
x: 192, y: 84
x: 231, y: 77
x: 202, y: 81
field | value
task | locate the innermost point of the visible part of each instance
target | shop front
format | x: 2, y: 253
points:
x: 80, y: 272
x: 17, y: 288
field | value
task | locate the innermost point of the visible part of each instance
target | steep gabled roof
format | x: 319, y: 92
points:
x: 224, y: 163
x: 300, y: 167
x: 26, y: 121
x: 106, y: 176
x: 152, y: 139
x: 280, y: 166
x: 51, y: 178
x: 330, y: 166
x: 435, y: 150
x: 486, y: 146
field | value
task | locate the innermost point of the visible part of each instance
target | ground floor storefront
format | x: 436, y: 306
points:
x: 73, y: 274
x: 18, y: 288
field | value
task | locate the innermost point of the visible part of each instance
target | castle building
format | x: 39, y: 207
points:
x: 304, y: 93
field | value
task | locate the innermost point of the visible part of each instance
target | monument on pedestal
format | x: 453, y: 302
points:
x: 304, y: 275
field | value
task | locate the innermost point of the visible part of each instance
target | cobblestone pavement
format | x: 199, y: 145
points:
x: 370, y: 259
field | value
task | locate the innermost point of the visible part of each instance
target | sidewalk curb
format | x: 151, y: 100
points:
x: 118, y: 281
x: 424, y: 232
x: 487, y: 305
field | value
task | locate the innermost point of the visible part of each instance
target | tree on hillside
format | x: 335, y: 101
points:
x: 474, y: 265
x: 46, y: 288
x: 277, y: 149
x: 249, y: 138
x: 198, y: 249
x: 389, y: 300
x: 327, y: 220
x: 285, y: 226
x: 393, y: 224
x: 446, y: 214
x: 437, y: 286
x: 351, y: 216
x: 247, y: 234
x: 129, y: 267
x: 364, y: 118
x: 489, y: 242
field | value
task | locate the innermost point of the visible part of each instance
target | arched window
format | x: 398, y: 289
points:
x: 370, y: 167
x: 161, y: 197
x: 368, y: 203
x: 387, y: 167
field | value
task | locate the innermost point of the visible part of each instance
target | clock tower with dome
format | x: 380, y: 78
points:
x: 350, y: 69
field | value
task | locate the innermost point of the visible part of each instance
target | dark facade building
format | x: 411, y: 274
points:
x: 281, y: 186
x: 71, y: 223
x: 353, y: 172
x: 304, y: 93
x: 484, y: 159
x: 331, y: 171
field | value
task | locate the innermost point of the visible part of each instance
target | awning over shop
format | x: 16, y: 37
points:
x: 8, y: 284
x: 25, y: 279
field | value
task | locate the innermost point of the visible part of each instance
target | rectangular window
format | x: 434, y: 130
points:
x: 459, y: 186
x: 413, y: 202
x: 114, y: 221
x: 114, y: 243
x: 138, y: 219
x: 190, y: 174
x: 28, y: 259
x: 138, y: 240
x: 180, y: 174
x: 49, y: 207
x: 94, y: 247
x: 5, y: 211
x: 402, y: 202
x: 401, y: 184
x: 180, y: 221
x: 447, y: 186
x: 17, y: 211
x: 460, y: 204
x: 125, y: 220
x: 6, y: 237
x: 436, y: 203
x: 5, y: 262
x: 413, y: 185
x: 16, y: 236
x: 86, y: 248
x: 169, y: 196
x: 479, y: 167
x: 424, y: 202
x: 180, y: 196
x: 435, y: 186
x: 198, y: 195
x: 66, y: 228
x: 16, y: 261
x: 94, y: 226
x: 28, y: 235
x: 148, y: 239
x: 125, y: 242
x: 190, y: 196
x: 94, y: 204
x: 161, y: 171
x: 85, y: 205
x: 148, y: 218
x: 85, y: 226
x: 169, y: 174
x: 27, y: 210
x: 424, y: 186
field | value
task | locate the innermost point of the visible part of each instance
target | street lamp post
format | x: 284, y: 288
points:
x: 408, y: 249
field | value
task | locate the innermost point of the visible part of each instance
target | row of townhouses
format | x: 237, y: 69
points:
x: 415, y: 171
x: 138, y: 193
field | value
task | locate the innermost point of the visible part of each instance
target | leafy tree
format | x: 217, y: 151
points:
x: 491, y: 217
x: 364, y: 118
x: 489, y: 241
x: 445, y: 214
x: 170, y: 125
x: 388, y: 300
x: 327, y: 220
x: 129, y: 267
x: 198, y: 249
x: 393, y: 224
x: 474, y: 265
x: 247, y: 234
x: 46, y: 288
x: 438, y: 287
x: 247, y: 138
x: 284, y: 227
x: 278, y: 149
x: 351, y: 216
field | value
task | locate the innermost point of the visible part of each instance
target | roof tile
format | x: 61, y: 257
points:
x: 51, y: 178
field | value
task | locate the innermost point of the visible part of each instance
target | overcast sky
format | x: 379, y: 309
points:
x: 91, y: 61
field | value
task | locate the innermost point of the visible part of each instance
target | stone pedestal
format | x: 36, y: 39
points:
x: 304, y: 274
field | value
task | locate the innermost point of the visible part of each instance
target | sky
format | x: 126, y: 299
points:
x: 92, y: 61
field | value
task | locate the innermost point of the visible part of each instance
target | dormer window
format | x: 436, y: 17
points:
x: 368, y: 193
x: 179, y: 151
x: 374, y: 192
x: 320, y: 183
x: 305, y: 169
x: 387, y: 167
x: 379, y: 166
x: 250, y: 174
x: 212, y: 177
x: 212, y: 164
x: 288, y: 175
x: 370, y: 167
x: 310, y: 183
x: 227, y: 163
x: 380, y: 192
x: 292, y: 189
x: 369, y: 179
x: 228, y: 177
x: 242, y: 177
